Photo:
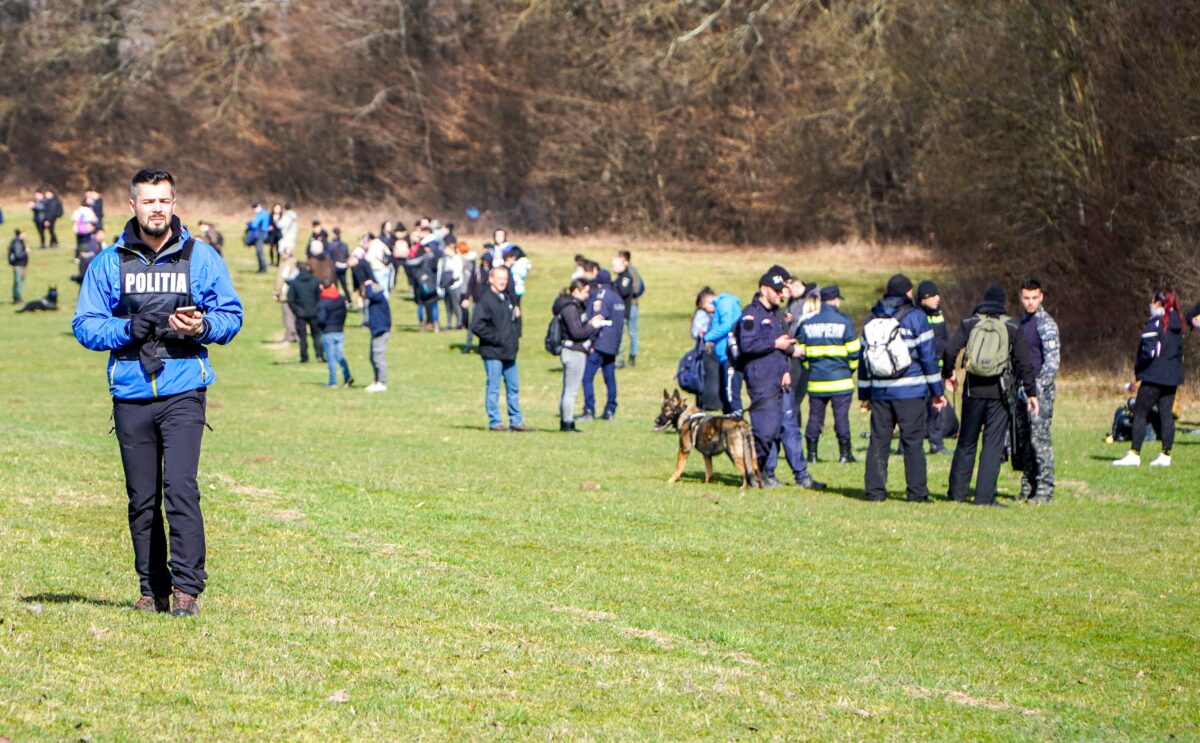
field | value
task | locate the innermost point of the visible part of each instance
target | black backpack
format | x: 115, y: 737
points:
x: 554, y: 336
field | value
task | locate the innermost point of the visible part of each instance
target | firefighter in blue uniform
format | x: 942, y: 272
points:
x: 831, y: 349
x: 764, y: 349
x: 134, y: 303
x: 930, y: 300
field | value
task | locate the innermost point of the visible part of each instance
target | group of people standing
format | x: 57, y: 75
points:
x: 793, y: 340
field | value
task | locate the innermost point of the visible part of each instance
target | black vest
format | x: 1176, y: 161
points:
x: 158, y: 288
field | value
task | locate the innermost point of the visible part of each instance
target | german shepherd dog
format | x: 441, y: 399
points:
x: 710, y: 435
x: 46, y: 303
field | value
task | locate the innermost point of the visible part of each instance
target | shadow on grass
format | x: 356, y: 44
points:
x: 70, y: 598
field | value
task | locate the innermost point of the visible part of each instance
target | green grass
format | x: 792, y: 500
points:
x: 462, y: 584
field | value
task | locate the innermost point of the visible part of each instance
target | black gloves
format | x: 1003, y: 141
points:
x: 142, y: 327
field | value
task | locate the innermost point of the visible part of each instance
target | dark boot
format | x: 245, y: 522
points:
x: 632, y: 361
x: 812, y: 449
x: 565, y: 427
x: 845, y: 456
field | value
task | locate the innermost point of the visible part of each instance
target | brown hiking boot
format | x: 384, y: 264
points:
x: 185, y: 605
x: 153, y: 604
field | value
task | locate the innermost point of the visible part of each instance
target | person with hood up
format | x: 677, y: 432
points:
x: 993, y: 347
x: 896, y: 395
x: 302, y: 297
x: 603, y: 302
x: 1159, y: 369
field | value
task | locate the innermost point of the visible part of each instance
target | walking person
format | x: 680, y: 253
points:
x: 929, y: 299
x: 18, y: 258
x: 630, y: 286
x: 495, y: 324
x: 570, y: 309
x: 379, y: 321
x: 993, y: 348
x: 603, y: 301
x: 331, y: 323
x: 303, y: 296
x: 155, y: 301
x: 1158, y: 369
x: 897, y: 373
x: 831, y: 348
x: 38, y: 207
x: 258, y: 230
x: 1045, y: 349
x: 53, y: 213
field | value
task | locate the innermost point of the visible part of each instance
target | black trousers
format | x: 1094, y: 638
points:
x: 160, y: 452
x: 841, y: 416
x: 991, y: 418
x: 303, y: 326
x: 710, y: 397
x: 53, y: 234
x: 341, y: 279
x: 1149, y: 395
x: 909, y: 415
x: 936, y: 430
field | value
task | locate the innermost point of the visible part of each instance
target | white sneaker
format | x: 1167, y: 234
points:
x: 1164, y: 460
x: 1131, y: 459
x: 376, y: 387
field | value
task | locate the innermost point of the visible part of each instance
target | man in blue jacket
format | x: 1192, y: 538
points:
x: 725, y: 309
x: 154, y: 300
x: 605, y: 302
x: 257, y: 230
x: 896, y: 396
x: 764, y: 350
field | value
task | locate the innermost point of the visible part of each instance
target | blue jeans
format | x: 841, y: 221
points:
x: 506, y: 370
x: 631, y: 320
x: 607, y: 364
x: 335, y: 353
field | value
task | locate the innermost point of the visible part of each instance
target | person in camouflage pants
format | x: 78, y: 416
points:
x: 1041, y: 332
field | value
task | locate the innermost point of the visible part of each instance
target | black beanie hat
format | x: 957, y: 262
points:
x: 898, y: 286
x: 927, y: 289
x: 995, y: 294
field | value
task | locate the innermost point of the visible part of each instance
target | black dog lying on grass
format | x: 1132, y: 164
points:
x: 46, y: 303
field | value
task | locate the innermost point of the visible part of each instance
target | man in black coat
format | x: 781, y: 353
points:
x: 18, y: 258
x: 303, y: 293
x: 53, y: 213
x: 985, y: 399
x: 495, y: 322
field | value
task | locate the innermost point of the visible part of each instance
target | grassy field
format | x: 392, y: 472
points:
x: 384, y: 567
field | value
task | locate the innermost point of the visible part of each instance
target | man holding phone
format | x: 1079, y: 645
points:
x: 154, y: 300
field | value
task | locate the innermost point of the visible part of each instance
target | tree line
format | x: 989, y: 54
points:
x: 1051, y: 137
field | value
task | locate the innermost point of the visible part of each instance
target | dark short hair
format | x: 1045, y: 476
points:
x: 337, y: 231
x: 150, y: 176
x: 287, y: 205
x: 316, y: 222
x: 589, y: 266
x: 626, y: 255
x: 704, y: 294
x: 1031, y: 285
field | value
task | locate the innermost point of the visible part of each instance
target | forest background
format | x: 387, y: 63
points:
x: 1054, y: 138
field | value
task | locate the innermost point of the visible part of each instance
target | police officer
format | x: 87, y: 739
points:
x: 154, y: 300
x: 899, y: 400
x: 764, y: 348
x: 930, y: 300
x: 789, y: 438
x: 605, y: 302
x: 831, y: 349
x: 985, y: 405
x: 1041, y: 334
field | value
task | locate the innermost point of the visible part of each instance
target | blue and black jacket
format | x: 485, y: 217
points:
x: 831, y: 352
x: 98, y: 325
x: 921, y: 378
x: 727, y: 310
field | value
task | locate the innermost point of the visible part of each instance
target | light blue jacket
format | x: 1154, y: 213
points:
x: 727, y: 309
x: 96, y: 328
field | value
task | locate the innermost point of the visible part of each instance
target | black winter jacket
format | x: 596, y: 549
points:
x: 989, y: 387
x: 303, y: 292
x: 570, y: 312
x: 495, y: 322
x: 18, y: 253
x: 1160, y: 354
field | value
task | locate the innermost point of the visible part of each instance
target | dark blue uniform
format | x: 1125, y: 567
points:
x: 607, y: 303
x: 763, y: 367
